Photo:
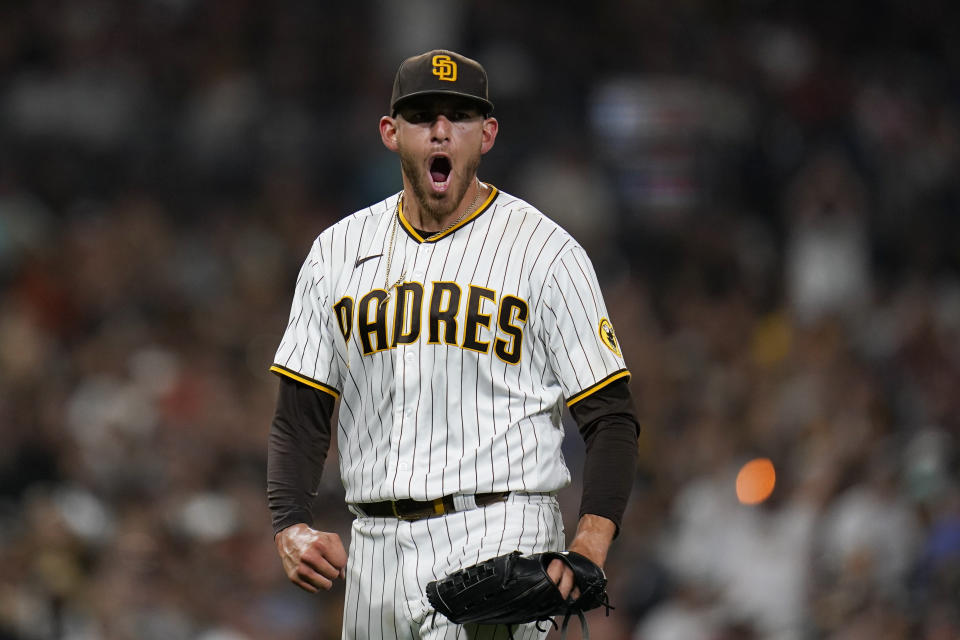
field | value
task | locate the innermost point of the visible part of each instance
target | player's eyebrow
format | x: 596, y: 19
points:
x: 435, y: 105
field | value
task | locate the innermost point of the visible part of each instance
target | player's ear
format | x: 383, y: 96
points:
x: 489, y: 134
x: 388, y: 132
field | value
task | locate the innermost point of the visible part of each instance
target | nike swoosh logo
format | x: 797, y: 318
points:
x: 360, y: 261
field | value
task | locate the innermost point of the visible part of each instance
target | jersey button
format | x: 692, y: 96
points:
x: 403, y: 466
x: 410, y: 356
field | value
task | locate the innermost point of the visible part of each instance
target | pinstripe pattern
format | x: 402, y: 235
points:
x: 393, y: 559
x: 422, y: 418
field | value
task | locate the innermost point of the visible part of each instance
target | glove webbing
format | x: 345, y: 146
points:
x: 584, y: 627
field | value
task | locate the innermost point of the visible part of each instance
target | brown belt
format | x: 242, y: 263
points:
x: 417, y: 510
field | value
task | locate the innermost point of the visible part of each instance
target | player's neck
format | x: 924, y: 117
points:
x: 423, y: 218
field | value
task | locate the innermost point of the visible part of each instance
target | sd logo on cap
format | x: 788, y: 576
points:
x: 445, y: 68
x: 441, y: 72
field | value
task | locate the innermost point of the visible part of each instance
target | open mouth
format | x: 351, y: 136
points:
x: 440, y: 169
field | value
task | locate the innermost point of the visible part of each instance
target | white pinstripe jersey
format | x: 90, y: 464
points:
x: 456, y: 383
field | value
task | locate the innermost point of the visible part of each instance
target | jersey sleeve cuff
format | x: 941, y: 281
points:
x: 613, y: 377
x: 310, y: 382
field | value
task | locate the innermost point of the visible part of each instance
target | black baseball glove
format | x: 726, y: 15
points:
x: 515, y: 589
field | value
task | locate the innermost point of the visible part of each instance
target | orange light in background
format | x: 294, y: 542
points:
x: 755, y: 481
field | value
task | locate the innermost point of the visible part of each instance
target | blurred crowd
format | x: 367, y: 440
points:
x: 770, y: 195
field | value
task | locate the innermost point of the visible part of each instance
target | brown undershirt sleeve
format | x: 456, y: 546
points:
x: 301, y: 431
x: 610, y: 429
x: 296, y: 451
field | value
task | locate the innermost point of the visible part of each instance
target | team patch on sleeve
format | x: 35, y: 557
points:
x: 608, y: 337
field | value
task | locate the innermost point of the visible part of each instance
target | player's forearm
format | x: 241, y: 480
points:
x: 296, y: 450
x: 609, y: 428
x: 609, y: 468
x: 593, y: 537
x: 288, y: 481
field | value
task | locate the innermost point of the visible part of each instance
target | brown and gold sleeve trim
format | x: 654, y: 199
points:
x: 617, y: 375
x: 310, y: 382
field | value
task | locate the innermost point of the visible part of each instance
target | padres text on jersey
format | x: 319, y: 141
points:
x: 452, y: 379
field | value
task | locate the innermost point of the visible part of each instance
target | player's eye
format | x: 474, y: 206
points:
x: 462, y: 115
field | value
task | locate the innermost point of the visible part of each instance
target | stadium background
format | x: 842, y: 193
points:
x: 769, y: 190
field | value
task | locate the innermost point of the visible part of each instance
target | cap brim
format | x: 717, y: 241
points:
x: 486, y: 104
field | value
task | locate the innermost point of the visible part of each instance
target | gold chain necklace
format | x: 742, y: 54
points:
x: 473, y: 206
x: 393, y: 234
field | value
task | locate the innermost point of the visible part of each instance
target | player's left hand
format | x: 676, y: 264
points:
x: 593, y: 538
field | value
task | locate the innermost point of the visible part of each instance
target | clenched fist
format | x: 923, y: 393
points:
x: 311, y: 559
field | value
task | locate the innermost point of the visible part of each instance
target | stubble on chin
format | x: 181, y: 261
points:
x: 435, y: 205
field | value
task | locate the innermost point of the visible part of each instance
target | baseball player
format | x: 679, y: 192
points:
x: 453, y: 322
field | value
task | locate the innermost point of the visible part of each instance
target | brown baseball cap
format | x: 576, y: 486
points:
x: 441, y: 72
